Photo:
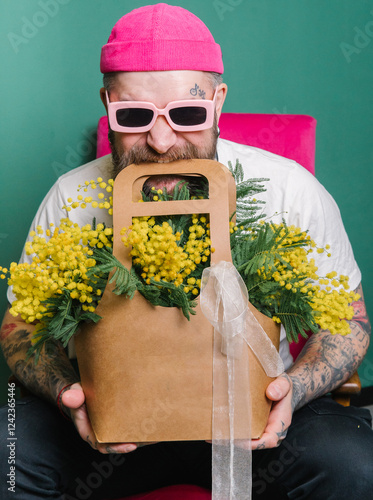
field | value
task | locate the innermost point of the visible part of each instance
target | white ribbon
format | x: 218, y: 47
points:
x: 224, y: 301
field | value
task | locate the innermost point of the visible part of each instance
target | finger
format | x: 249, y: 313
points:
x: 85, y: 430
x: 116, y: 447
x: 275, y: 431
x: 278, y: 389
x: 73, y: 397
x: 269, y: 440
x: 83, y: 425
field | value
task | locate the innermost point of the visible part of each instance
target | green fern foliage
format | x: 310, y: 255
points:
x: 262, y: 252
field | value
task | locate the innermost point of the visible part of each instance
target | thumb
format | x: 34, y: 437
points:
x: 278, y: 389
x: 73, y: 397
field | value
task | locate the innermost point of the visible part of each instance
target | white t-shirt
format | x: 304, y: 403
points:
x: 292, y: 193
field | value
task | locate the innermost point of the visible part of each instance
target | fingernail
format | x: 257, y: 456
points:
x: 274, y: 391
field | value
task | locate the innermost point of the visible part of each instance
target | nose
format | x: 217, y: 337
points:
x: 161, y: 137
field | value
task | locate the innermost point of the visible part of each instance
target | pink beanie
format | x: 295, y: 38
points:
x: 161, y: 37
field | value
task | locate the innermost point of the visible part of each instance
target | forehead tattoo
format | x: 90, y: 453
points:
x: 196, y: 90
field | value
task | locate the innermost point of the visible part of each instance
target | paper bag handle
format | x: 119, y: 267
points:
x: 220, y: 205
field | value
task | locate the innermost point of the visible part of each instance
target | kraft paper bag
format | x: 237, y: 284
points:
x: 146, y: 370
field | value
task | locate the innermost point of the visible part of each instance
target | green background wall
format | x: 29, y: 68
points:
x: 295, y: 56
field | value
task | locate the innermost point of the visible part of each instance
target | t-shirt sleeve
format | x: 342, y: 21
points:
x: 311, y: 207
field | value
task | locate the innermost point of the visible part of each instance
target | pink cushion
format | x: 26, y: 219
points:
x: 103, y: 145
x: 291, y: 136
x: 177, y: 492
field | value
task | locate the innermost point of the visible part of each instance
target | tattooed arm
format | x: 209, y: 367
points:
x: 53, y: 370
x: 325, y: 363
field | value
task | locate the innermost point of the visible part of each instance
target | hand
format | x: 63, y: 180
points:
x: 280, y: 392
x: 74, y: 399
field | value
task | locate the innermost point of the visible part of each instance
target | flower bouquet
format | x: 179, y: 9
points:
x: 130, y: 291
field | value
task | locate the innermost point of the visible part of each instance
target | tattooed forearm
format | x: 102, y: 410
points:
x: 360, y: 319
x: 49, y: 375
x: 327, y: 360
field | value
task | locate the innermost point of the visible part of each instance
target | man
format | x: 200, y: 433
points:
x: 158, y: 55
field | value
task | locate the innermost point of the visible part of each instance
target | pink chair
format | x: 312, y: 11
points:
x: 291, y: 136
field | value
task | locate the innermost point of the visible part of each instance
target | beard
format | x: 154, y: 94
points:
x: 145, y: 154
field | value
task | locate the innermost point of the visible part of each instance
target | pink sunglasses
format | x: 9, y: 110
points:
x: 183, y: 116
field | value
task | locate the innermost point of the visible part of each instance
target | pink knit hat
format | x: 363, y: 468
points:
x: 159, y: 38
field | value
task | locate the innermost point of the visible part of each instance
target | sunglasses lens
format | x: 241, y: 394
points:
x: 188, y: 116
x: 134, y: 117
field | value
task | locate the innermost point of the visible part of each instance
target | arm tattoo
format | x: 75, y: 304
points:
x: 360, y: 319
x: 7, y: 330
x: 327, y: 360
x: 49, y: 375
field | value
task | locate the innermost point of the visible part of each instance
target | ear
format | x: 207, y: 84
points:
x: 220, y: 98
x: 103, y: 97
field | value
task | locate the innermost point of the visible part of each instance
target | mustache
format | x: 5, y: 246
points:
x: 145, y: 154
